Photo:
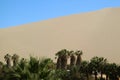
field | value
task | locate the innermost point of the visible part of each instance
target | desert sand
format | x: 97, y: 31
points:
x: 96, y: 33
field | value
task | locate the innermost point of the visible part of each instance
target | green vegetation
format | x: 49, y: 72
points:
x: 46, y: 69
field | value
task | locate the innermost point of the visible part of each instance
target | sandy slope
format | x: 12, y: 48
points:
x: 96, y: 33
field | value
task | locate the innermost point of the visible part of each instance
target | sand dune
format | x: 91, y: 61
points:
x: 96, y: 33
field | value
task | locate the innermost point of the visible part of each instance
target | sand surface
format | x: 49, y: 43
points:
x: 96, y: 33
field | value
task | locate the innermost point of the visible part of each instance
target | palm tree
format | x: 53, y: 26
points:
x: 98, y: 64
x: 94, y: 66
x: 72, y: 58
x: 58, y: 65
x: 113, y: 75
x: 33, y: 65
x: 102, y: 61
x: 84, y: 68
x: 7, y: 58
x: 76, y: 74
x: 15, y: 59
x: 33, y: 69
x: 46, y: 68
x: 111, y: 71
x: 107, y: 70
x: 79, y: 59
x: 62, y: 59
x: 23, y: 63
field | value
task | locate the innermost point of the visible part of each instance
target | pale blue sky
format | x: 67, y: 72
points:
x: 17, y: 12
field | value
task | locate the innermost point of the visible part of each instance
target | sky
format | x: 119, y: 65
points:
x: 18, y: 12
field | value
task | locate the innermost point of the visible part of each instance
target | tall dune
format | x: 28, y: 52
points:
x: 96, y: 33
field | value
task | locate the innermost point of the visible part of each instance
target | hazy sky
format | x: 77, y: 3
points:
x: 17, y: 12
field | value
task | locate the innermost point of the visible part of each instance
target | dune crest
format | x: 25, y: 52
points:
x: 96, y: 33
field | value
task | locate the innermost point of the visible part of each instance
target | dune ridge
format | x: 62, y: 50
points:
x: 96, y: 33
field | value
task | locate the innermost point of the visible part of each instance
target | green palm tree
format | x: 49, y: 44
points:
x: 79, y: 58
x: 72, y: 58
x: 46, y: 67
x: 33, y: 65
x: 76, y: 74
x: 113, y: 71
x: 7, y: 58
x: 59, y: 55
x: 21, y: 71
x: 15, y: 59
x: 102, y: 61
x: 62, y: 58
x: 33, y: 69
x: 84, y: 68
x: 107, y: 70
x: 94, y: 66
x: 23, y: 63
x: 97, y: 66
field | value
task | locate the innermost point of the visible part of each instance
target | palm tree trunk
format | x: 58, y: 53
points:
x: 79, y: 59
x: 64, y: 62
x: 14, y: 63
x: 59, y: 63
x: 72, y: 60
x: 106, y: 77
x: 95, y: 75
x: 101, y: 75
x: 87, y: 75
x: 8, y: 63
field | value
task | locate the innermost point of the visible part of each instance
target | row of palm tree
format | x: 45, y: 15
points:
x: 63, y: 56
x: 100, y: 65
x: 32, y: 69
x: 14, y: 58
x: 97, y: 65
x: 46, y: 69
